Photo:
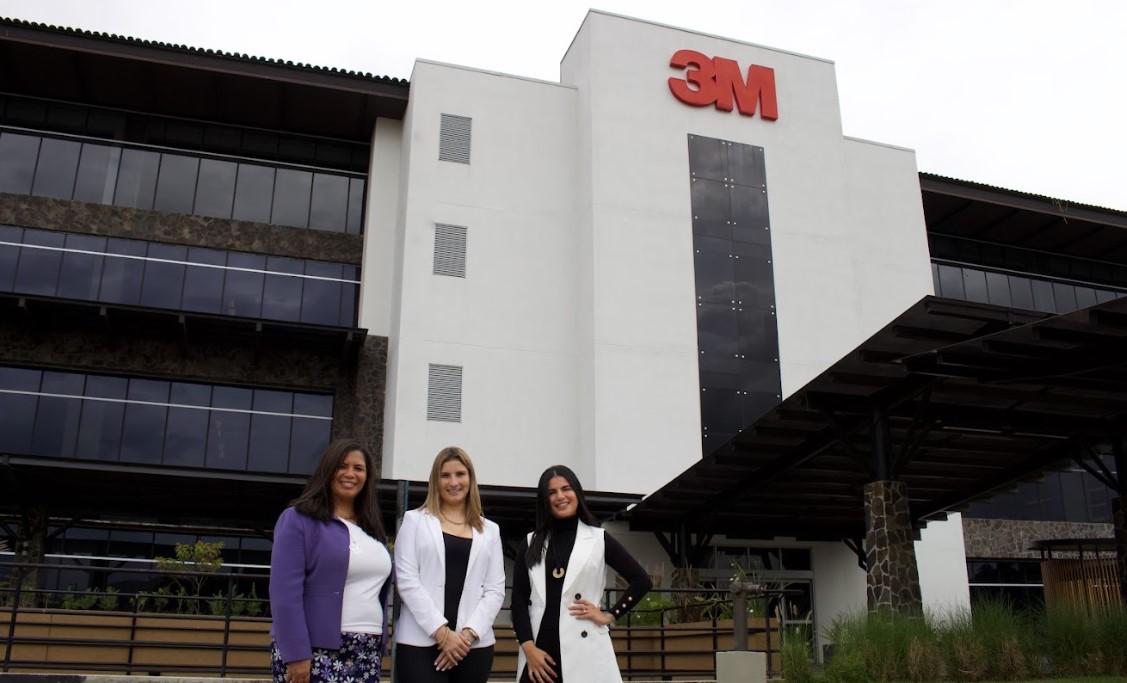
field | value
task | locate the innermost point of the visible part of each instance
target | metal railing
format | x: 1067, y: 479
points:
x: 674, y: 633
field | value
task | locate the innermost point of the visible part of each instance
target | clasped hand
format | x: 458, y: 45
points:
x: 451, y: 649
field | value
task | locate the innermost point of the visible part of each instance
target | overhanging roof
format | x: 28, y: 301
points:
x: 978, y: 396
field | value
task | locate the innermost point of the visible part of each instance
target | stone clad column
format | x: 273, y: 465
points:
x: 893, y: 582
x: 1119, y: 515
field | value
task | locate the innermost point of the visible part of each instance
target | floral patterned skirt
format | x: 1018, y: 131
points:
x: 358, y: 660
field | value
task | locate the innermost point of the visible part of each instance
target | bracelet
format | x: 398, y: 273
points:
x: 473, y: 633
x: 445, y: 630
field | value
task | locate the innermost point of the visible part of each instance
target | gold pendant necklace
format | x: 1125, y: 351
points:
x: 559, y: 572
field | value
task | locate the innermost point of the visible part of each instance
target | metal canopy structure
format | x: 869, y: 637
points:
x: 962, y: 398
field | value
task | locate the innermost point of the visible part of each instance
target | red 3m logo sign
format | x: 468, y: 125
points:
x: 718, y: 81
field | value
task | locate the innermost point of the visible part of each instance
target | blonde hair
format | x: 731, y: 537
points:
x: 433, y: 502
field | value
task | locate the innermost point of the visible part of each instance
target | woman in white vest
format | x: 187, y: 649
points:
x: 563, y: 631
x: 451, y: 578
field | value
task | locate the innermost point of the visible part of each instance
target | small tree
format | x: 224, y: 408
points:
x: 189, y: 568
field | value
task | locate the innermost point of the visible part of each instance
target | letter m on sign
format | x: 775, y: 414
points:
x: 758, y: 89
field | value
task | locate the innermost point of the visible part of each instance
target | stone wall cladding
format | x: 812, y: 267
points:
x: 359, y: 398
x: 893, y: 580
x: 171, y: 228
x: 1012, y: 539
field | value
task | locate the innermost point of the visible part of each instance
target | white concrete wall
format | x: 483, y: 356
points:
x: 377, y: 282
x: 941, y: 556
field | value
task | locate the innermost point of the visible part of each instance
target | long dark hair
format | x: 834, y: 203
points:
x: 316, y: 500
x: 544, y: 517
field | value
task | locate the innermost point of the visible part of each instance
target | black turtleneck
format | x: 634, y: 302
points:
x: 560, y: 542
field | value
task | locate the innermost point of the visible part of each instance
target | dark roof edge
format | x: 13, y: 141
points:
x: 1018, y: 199
x: 216, y: 60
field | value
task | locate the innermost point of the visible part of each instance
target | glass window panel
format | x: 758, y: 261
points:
x: 320, y: 299
x: 717, y: 338
x: 38, y: 271
x: 122, y: 275
x: 1085, y: 297
x: 714, y: 271
x: 708, y: 158
x: 745, y: 165
x: 328, y: 209
x: 164, y: 282
x: 300, y: 150
x: 136, y: 179
x: 796, y: 559
x: 66, y: 117
x: 750, y: 219
x: 974, y: 283
x: 1075, y: 502
x: 17, y: 162
x: 56, y: 423
x: 176, y: 183
x: 18, y: 409
x: 97, y: 174
x: 1102, y: 295
x: 355, y: 206
x: 124, y: 543
x: 711, y: 209
x: 99, y: 430
x: 228, y: 432
x: 58, y: 164
x: 9, y: 256
x: 1021, y: 292
x: 1065, y: 297
x: 308, y: 440
x: 998, y: 289
x: 758, y: 337
x: 242, y: 294
x: 81, y: 273
x: 349, y: 296
x: 935, y: 277
x: 216, y: 191
x: 319, y: 405
x: 951, y: 282
x: 185, y: 443
x: 281, y: 297
x: 254, y: 193
x: 1043, y: 296
x: 32, y: 113
x: 142, y: 437
x: 291, y: 198
x: 270, y: 434
x: 203, y: 286
x: 720, y: 410
x: 223, y: 139
x: 755, y: 275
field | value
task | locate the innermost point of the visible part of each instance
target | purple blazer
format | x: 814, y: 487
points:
x: 308, y: 567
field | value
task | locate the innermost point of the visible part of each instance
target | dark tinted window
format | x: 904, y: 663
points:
x: 270, y: 434
x: 186, y: 439
x: 99, y: 432
x: 17, y: 162
x: 56, y: 422
x: 58, y: 164
x: 176, y: 184
x: 97, y: 174
x: 349, y: 296
x: 309, y: 439
x: 81, y: 273
x: 9, y: 256
x: 143, y: 433
x: 242, y: 294
x: 164, y: 281
x: 355, y: 205
x: 291, y: 198
x: 216, y: 191
x: 329, y: 206
x: 281, y: 298
x: 229, y: 431
x: 203, y: 286
x: 320, y: 299
x: 121, y: 275
x: 18, y: 409
x: 38, y: 271
x: 136, y: 179
x: 253, y: 193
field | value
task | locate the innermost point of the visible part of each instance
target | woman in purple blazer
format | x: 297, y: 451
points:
x: 330, y: 575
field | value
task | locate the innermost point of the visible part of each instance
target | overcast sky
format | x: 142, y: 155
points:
x: 1025, y: 94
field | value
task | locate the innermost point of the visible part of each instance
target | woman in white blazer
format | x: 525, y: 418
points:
x: 450, y: 574
x: 563, y: 632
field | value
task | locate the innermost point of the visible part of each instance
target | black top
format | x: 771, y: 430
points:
x: 560, y: 544
x: 457, y: 561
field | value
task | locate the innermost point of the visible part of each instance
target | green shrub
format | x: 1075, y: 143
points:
x: 795, y: 655
x: 108, y: 600
x: 1111, y: 634
x: 1069, y: 640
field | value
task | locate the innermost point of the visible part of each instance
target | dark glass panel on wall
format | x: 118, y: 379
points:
x: 755, y: 275
x: 270, y: 434
x: 136, y: 179
x: 308, y: 439
x: 355, y: 205
x: 38, y: 271
x: 951, y: 282
x: 9, y: 256
x: 721, y: 410
x: 746, y: 166
x: 291, y: 198
x: 143, y: 434
x: 99, y: 431
x: 97, y: 174
x: 176, y: 183
x: 56, y: 421
x: 1085, y: 297
x: 122, y: 275
x: 18, y: 154
x: 1043, y: 296
x: 18, y: 409
x: 758, y: 335
x: 328, y: 209
x: 253, y: 193
x: 281, y: 296
x: 714, y: 270
x: 216, y: 192
x: 1064, y: 297
x: 185, y: 442
x: 717, y: 338
x: 81, y: 274
x: 203, y: 286
x: 974, y: 285
x: 998, y: 289
x: 1021, y: 292
x: 317, y: 405
x: 164, y: 282
x: 242, y: 294
x: 711, y: 209
x: 708, y: 158
x: 750, y: 222
x: 320, y: 299
x: 1073, y: 496
x: 58, y: 164
x: 228, y: 431
x: 349, y: 296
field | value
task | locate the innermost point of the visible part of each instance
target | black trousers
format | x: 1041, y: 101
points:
x: 416, y: 665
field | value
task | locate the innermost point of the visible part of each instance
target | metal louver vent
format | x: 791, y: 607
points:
x: 454, y: 138
x: 449, y: 250
x: 444, y: 393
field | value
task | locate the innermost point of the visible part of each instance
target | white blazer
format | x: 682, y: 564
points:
x: 420, y: 577
x: 585, y: 647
